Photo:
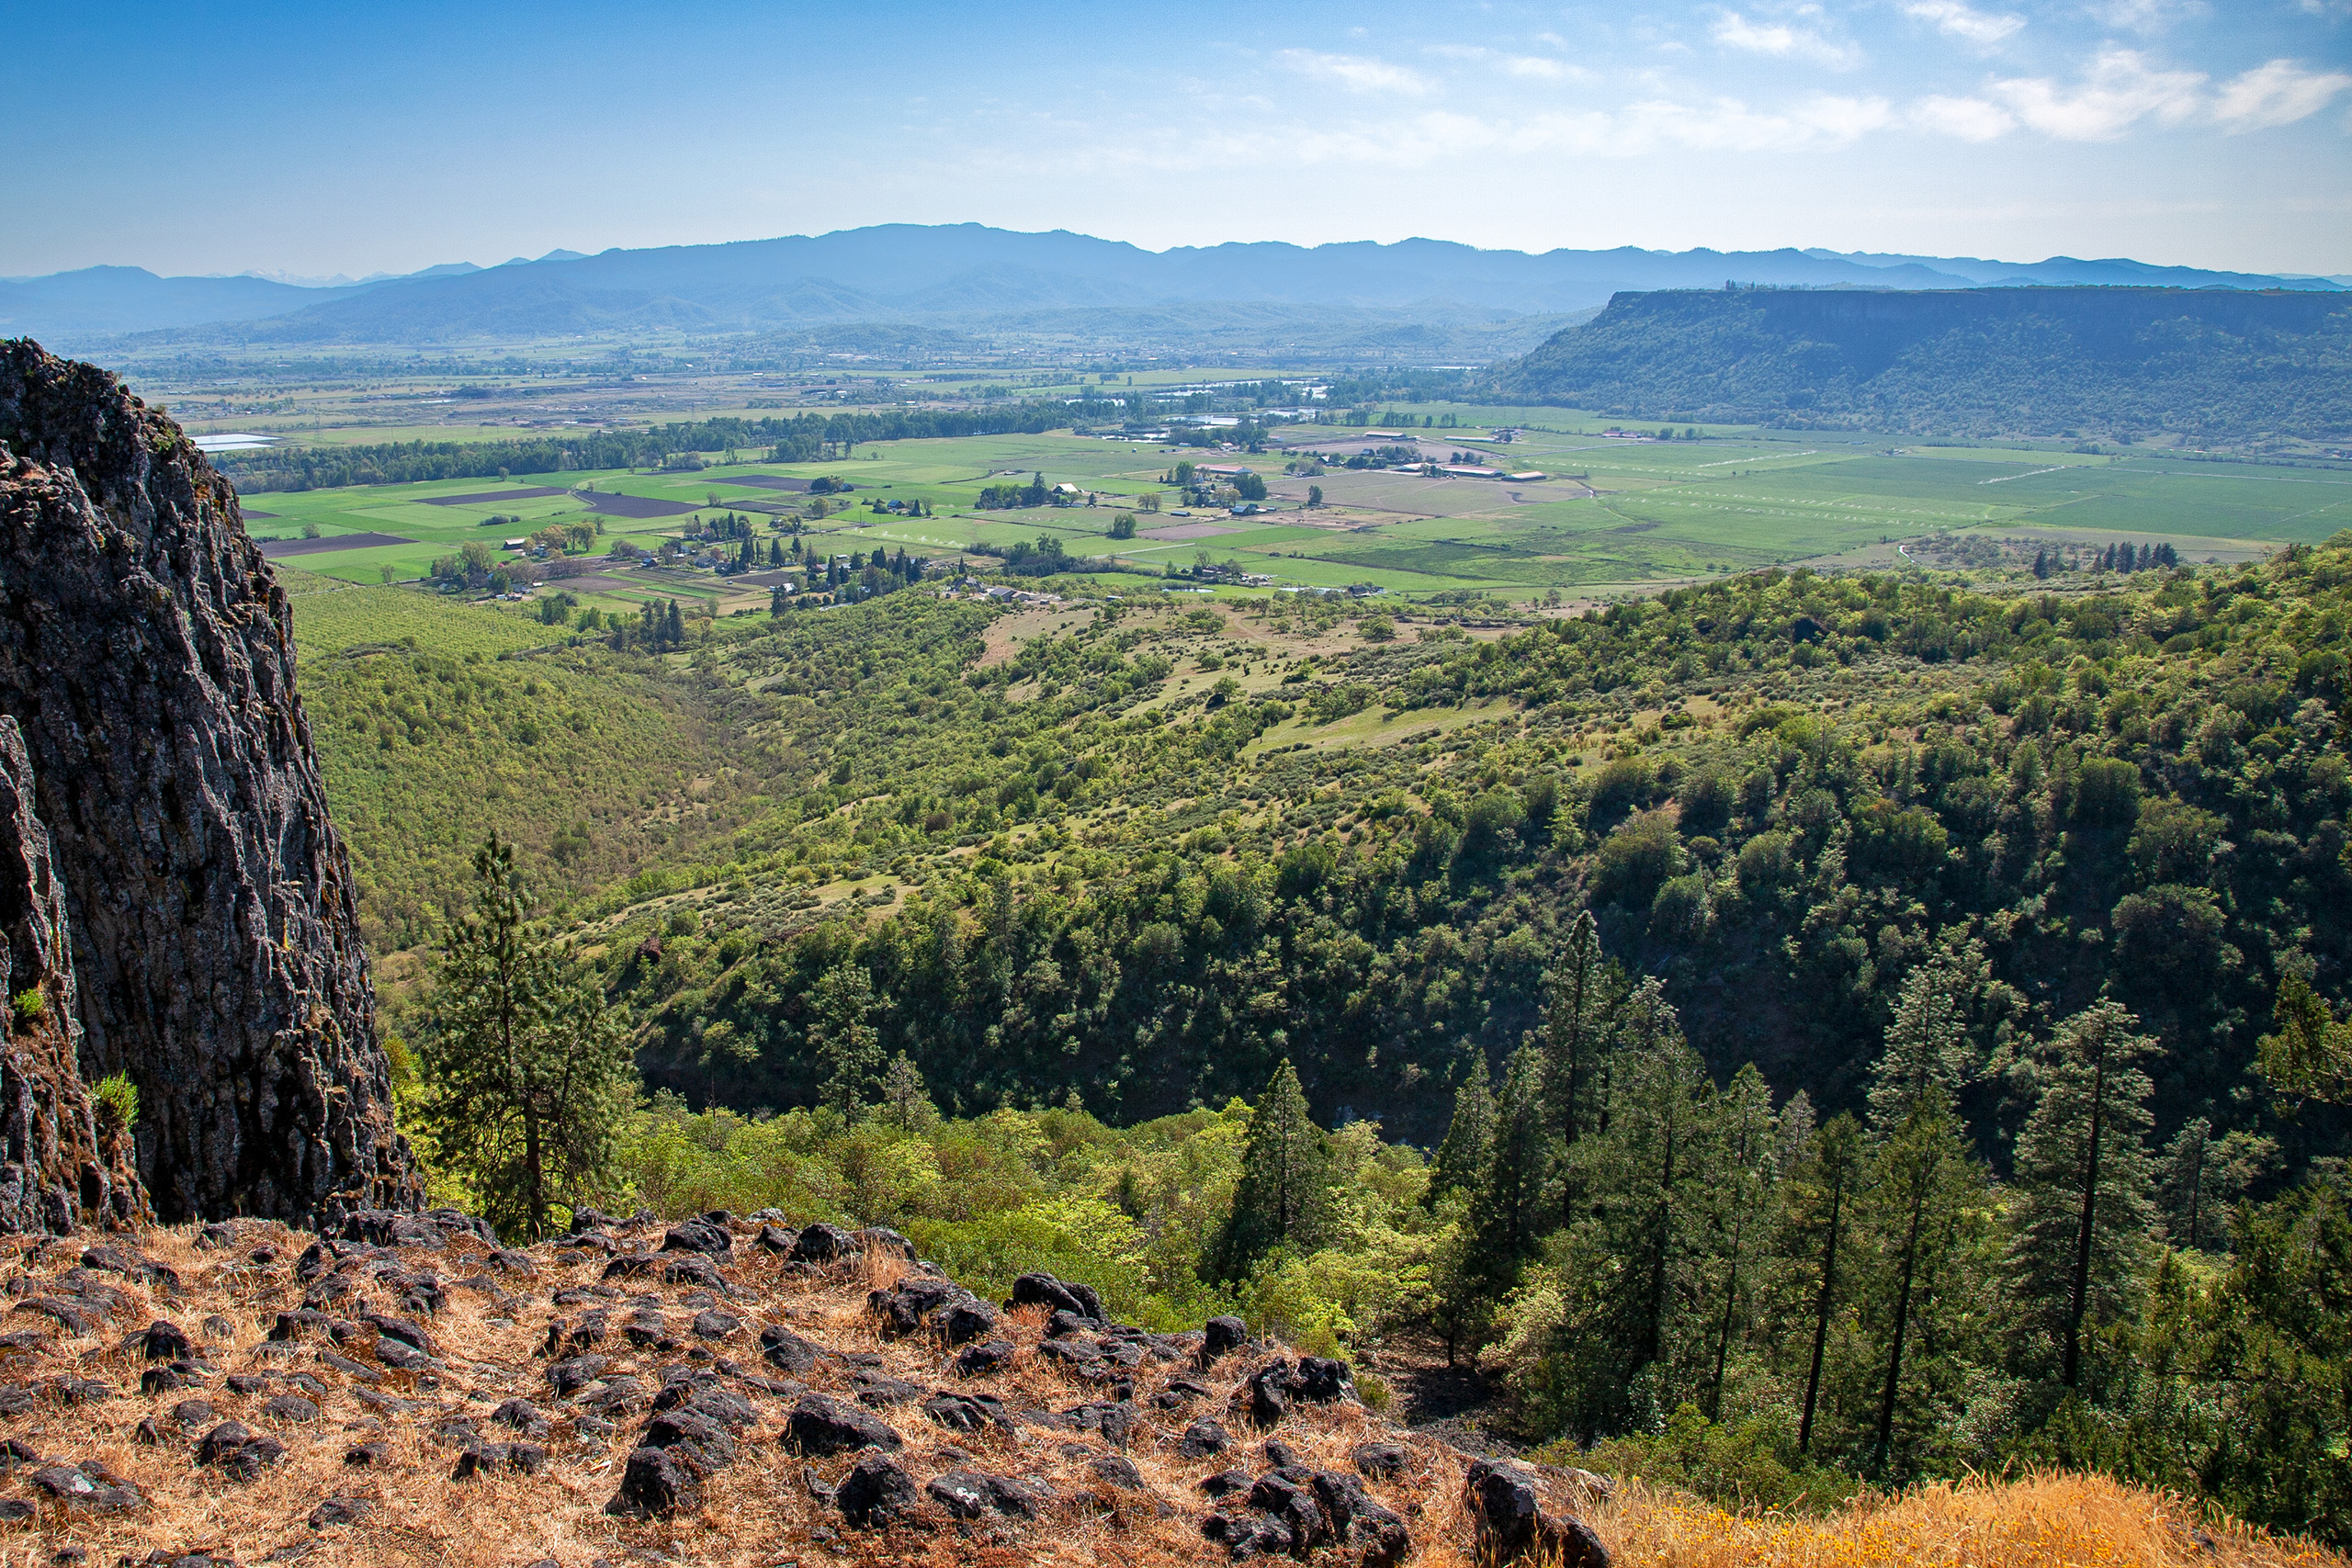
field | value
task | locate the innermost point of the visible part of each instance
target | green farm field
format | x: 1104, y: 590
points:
x: 1612, y: 514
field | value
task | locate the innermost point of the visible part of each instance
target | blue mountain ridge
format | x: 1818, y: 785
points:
x: 967, y: 271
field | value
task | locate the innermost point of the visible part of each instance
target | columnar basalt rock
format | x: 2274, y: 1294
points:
x: 59, y: 1168
x: 148, y: 654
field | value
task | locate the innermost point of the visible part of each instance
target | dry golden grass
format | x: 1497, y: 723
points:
x: 2045, y: 1521
x: 762, y: 1512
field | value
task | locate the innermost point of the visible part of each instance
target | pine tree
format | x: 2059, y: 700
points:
x: 1508, y: 1214
x: 1572, y: 1044
x: 906, y: 1102
x: 2084, y: 1179
x: 1925, y: 1053
x: 526, y: 1074
x: 1283, y: 1195
x: 1658, y: 1133
x: 1468, y: 1147
x: 1821, y: 1195
x: 673, y: 627
x: 843, y: 1035
x: 1920, y: 1173
x: 1745, y: 1193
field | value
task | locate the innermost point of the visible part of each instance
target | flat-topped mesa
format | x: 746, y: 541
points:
x: 148, y: 654
x: 60, y: 1170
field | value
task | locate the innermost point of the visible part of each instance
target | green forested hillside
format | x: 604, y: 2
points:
x: 2219, y: 366
x: 1780, y: 794
x: 1761, y: 965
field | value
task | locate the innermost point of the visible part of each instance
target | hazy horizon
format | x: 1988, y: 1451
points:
x: 293, y: 141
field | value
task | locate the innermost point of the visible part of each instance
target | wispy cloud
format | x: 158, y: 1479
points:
x: 1785, y: 40
x: 1536, y: 67
x: 1965, y: 119
x: 2118, y: 90
x: 2280, y: 93
x: 1955, y: 19
x: 2145, y: 15
x: 1356, y: 72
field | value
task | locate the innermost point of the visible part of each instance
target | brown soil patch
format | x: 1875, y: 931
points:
x: 279, y: 549
x: 491, y: 497
x: 635, y: 505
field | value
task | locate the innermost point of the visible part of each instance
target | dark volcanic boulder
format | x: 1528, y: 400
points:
x: 786, y: 1350
x: 1045, y: 1290
x: 822, y: 1426
x: 1203, y: 1438
x: 1508, y: 1520
x: 968, y: 1494
x: 679, y: 1452
x: 877, y: 1492
x: 699, y: 1235
x: 1223, y: 1333
x: 823, y: 1244
x: 148, y: 654
x: 58, y: 1169
x: 981, y: 1359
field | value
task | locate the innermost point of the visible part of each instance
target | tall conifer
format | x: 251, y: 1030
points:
x: 1284, y: 1191
x: 2085, y: 1179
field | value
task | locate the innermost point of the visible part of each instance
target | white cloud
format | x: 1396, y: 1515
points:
x: 2278, y: 94
x: 2117, y: 92
x: 1968, y: 119
x: 1535, y: 66
x: 1730, y: 125
x: 1357, y: 73
x: 1782, y: 40
x: 1957, y: 20
x: 2145, y: 15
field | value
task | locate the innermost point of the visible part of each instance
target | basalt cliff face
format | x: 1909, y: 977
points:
x: 59, y: 1168
x: 147, y: 654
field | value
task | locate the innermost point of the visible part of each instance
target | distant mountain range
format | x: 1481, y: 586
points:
x: 2218, y: 365
x: 969, y: 275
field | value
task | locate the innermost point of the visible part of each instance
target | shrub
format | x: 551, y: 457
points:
x: 1622, y: 785
x: 1642, y: 854
x: 115, y: 1101
x: 1748, y: 1465
x: 1706, y: 797
x: 29, y: 1008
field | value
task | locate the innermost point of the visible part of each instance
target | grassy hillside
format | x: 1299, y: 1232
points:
x: 433, y: 734
x: 2221, y: 368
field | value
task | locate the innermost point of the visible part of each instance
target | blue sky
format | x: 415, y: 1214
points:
x: 323, y: 138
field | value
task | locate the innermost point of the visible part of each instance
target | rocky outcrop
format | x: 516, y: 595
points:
x: 147, y: 653
x: 59, y: 1168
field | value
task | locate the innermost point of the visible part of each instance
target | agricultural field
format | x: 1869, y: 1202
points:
x: 1611, y: 514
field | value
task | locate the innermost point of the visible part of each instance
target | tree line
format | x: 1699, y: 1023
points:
x: 801, y: 438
